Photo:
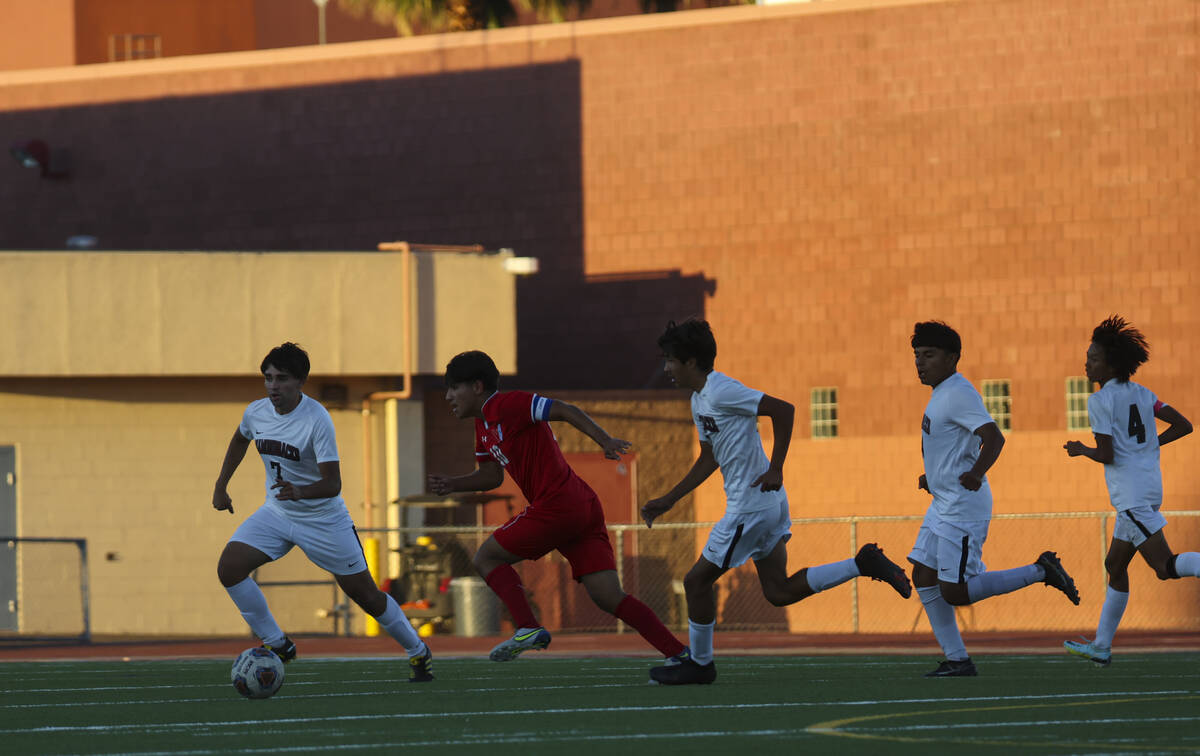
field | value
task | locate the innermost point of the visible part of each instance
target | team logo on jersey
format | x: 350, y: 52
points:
x: 925, y: 424
x: 269, y: 448
x: 499, y: 455
x: 709, y: 423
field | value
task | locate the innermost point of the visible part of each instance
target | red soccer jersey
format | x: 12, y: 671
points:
x: 513, y: 431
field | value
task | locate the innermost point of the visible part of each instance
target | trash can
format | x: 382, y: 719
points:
x: 476, y: 608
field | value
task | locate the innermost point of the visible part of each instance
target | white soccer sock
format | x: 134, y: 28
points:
x: 700, y: 640
x: 996, y: 582
x: 1110, y: 616
x: 397, y: 625
x: 944, y: 623
x: 1187, y: 564
x: 251, y: 602
x: 825, y: 576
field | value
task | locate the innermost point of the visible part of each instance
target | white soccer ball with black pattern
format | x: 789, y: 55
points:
x: 257, y: 673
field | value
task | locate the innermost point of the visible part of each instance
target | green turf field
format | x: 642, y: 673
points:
x: 760, y: 705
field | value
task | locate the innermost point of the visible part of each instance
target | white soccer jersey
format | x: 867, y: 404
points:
x: 951, y: 448
x: 291, y: 447
x: 1125, y: 411
x: 726, y: 417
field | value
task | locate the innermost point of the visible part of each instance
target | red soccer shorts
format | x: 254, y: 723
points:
x: 573, y: 526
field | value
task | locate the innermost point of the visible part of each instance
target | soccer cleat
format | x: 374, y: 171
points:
x: 684, y: 672
x: 286, y: 650
x: 420, y: 668
x: 1089, y: 650
x: 873, y: 564
x: 948, y: 668
x: 524, y: 639
x: 1056, y: 576
x: 679, y: 658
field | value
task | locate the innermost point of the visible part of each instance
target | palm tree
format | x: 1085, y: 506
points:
x: 456, y: 15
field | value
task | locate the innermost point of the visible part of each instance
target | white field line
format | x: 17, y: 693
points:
x: 227, y: 724
x: 1038, y: 723
x: 538, y: 738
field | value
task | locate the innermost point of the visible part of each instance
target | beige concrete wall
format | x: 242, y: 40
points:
x: 129, y: 464
x: 187, y: 314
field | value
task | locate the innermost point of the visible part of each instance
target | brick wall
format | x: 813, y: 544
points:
x: 813, y: 179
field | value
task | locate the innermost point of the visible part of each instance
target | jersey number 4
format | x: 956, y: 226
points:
x: 1136, y: 428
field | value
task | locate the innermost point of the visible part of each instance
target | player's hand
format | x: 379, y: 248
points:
x: 1074, y: 448
x: 771, y: 480
x: 970, y: 481
x: 615, y: 447
x: 652, y: 509
x: 286, y: 491
x: 440, y: 485
x: 221, y: 500
x: 923, y: 483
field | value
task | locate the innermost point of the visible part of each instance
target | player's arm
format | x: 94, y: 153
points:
x: 613, y: 447
x: 1178, y: 426
x: 782, y: 416
x: 991, y: 441
x: 327, y: 487
x: 704, y: 466
x: 922, y: 479
x: 233, y: 457
x: 488, y: 475
x: 1102, y: 452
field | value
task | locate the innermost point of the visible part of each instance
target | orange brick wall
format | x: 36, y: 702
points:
x: 813, y: 179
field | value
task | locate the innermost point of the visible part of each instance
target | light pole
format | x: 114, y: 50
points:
x: 320, y: 20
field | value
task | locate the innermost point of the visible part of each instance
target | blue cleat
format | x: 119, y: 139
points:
x: 523, y: 640
x: 1089, y: 650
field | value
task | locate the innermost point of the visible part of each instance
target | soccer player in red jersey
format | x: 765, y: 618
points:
x: 564, y: 514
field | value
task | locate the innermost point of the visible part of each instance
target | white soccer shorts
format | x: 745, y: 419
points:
x: 332, y: 544
x: 954, y: 549
x: 1139, y: 523
x: 738, y: 538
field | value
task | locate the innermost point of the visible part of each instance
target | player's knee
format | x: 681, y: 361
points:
x: 693, y: 584
x: 482, y: 564
x: 373, y: 603
x: 1114, y: 566
x: 956, y: 595
x: 777, y: 596
x: 1166, y: 570
x: 229, y: 575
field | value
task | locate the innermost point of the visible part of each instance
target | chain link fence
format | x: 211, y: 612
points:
x: 653, y: 562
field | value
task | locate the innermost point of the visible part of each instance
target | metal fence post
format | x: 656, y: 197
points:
x: 620, y: 533
x: 854, y: 583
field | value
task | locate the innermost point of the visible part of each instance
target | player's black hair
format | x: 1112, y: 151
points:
x: 691, y: 339
x: 935, y: 333
x: 1125, y: 348
x: 472, y: 366
x: 289, y: 358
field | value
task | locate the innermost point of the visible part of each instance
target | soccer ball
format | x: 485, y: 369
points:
x: 257, y: 673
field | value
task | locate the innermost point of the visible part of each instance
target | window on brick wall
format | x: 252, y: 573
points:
x: 1079, y: 388
x: 997, y: 398
x: 823, y: 411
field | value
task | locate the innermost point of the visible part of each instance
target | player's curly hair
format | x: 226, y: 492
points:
x: 690, y: 339
x: 468, y: 367
x: 289, y: 358
x: 1125, y: 348
x: 935, y: 333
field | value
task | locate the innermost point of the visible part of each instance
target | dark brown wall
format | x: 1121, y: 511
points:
x: 813, y: 179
